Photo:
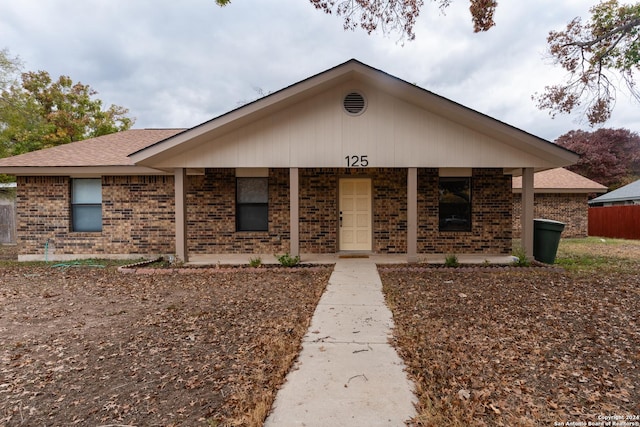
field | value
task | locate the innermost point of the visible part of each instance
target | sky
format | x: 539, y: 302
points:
x: 177, y: 64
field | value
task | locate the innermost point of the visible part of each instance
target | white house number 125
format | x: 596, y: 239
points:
x: 357, y: 161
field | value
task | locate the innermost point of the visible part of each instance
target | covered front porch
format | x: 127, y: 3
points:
x: 306, y: 216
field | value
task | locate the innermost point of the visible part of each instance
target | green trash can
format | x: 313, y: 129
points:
x: 546, y: 237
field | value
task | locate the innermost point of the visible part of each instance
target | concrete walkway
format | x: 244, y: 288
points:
x: 347, y: 373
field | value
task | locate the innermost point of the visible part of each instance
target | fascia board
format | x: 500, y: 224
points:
x: 82, y: 171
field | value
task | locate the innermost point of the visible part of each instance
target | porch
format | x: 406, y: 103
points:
x: 270, y: 259
x: 303, y: 214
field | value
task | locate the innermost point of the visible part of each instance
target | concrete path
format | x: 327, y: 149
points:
x: 347, y: 373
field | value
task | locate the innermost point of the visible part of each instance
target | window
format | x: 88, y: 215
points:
x: 86, y: 204
x: 455, y: 204
x: 252, y: 204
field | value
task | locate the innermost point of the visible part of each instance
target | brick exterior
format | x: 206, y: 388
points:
x: 319, y: 208
x: 490, y: 215
x: 318, y: 197
x: 571, y: 209
x: 138, y: 214
x: 211, y: 215
x: 137, y: 217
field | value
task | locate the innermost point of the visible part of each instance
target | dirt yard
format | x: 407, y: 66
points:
x: 521, y: 348
x: 91, y: 346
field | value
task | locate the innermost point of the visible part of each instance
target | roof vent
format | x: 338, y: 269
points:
x: 354, y: 103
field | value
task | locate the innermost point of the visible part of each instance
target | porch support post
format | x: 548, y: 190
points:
x: 180, y: 185
x: 294, y: 212
x: 412, y: 215
x: 526, y: 218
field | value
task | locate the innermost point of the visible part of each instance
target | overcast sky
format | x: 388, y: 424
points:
x: 179, y: 63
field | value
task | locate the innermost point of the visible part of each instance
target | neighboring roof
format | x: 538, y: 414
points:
x: 212, y: 141
x: 560, y: 180
x: 104, y: 151
x: 629, y: 192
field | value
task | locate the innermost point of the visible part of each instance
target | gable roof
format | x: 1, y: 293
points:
x: 406, y: 105
x: 104, y: 152
x: 560, y: 180
x: 629, y: 192
x: 304, y: 125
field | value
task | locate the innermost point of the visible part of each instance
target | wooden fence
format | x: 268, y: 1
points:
x: 621, y: 222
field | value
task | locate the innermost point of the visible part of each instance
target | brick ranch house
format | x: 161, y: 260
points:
x: 560, y: 195
x: 349, y: 160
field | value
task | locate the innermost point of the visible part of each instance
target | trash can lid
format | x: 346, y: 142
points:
x: 550, y: 221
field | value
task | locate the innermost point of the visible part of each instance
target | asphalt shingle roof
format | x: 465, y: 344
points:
x: 107, y: 150
x: 562, y: 180
x: 628, y: 192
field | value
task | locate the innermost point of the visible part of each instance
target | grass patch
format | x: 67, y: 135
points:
x: 595, y: 254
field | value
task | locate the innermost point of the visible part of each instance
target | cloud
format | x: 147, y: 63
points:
x: 177, y: 64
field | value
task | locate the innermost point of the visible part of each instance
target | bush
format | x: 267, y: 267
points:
x: 451, y: 261
x: 287, y: 260
x: 522, y: 260
x: 255, y: 262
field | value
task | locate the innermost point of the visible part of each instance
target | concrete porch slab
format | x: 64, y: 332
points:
x: 243, y: 259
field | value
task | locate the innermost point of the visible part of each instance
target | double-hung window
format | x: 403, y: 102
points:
x: 455, y: 203
x: 252, y: 204
x: 86, y: 204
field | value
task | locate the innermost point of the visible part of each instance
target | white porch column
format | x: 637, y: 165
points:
x: 294, y: 212
x: 526, y: 218
x: 412, y: 215
x: 180, y: 189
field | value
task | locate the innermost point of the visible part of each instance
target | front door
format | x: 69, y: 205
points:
x: 355, y: 214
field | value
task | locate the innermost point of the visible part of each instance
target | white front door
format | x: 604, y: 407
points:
x: 355, y: 214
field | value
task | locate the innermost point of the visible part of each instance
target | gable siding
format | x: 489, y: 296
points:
x: 316, y: 132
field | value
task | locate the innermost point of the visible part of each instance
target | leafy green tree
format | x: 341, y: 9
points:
x: 38, y: 112
x: 9, y: 67
x: 597, y: 53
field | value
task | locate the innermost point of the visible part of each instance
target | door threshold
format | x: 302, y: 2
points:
x: 353, y: 256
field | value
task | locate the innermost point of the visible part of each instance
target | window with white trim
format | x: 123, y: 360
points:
x: 86, y: 204
x: 252, y: 204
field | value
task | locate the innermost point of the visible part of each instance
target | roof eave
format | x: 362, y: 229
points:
x: 518, y: 190
x: 554, y: 155
x: 79, y: 171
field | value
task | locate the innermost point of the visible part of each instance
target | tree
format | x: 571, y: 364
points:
x: 37, y: 112
x: 608, y: 156
x: 394, y: 15
x: 594, y: 53
x: 9, y: 67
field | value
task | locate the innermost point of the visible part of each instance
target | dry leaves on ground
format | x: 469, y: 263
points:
x: 518, y: 348
x: 91, y: 346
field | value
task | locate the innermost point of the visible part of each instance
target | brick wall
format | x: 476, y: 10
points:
x: 211, y: 215
x: 390, y: 211
x: 138, y: 214
x: 137, y: 217
x: 319, y: 208
x: 490, y: 215
x: 318, y: 197
x: 571, y: 209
